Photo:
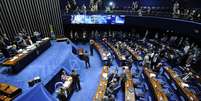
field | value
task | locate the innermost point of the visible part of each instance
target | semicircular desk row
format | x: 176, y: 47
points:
x: 154, y: 84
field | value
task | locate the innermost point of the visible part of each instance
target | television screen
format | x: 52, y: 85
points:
x: 97, y: 19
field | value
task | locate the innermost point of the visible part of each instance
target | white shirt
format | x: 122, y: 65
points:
x: 186, y: 48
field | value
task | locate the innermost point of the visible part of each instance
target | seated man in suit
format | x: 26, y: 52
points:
x: 3, y: 48
x: 37, y: 36
x: 28, y: 40
x: 113, y: 87
x: 20, y: 42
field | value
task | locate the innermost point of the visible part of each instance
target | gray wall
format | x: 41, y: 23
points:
x: 32, y: 15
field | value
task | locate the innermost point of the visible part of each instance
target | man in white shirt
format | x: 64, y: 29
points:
x: 186, y: 48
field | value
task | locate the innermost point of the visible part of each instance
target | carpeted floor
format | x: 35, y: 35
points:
x: 42, y: 66
x: 89, y: 78
x: 59, y: 55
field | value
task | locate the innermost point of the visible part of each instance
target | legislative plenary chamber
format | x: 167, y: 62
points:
x: 100, y: 50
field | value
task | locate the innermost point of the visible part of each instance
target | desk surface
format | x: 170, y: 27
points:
x: 5, y: 98
x: 129, y: 88
x: 8, y: 89
x: 102, y: 85
x: 14, y: 60
x: 116, y: 51
x: 155, y: 85
x: 133, y: 53
x: 188, y: 94
x: 100, y: 50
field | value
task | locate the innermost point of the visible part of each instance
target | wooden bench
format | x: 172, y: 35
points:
x: 9, y: 91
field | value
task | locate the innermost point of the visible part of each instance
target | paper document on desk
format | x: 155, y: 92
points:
x: 20, y: 50
x: 14, y: 58
x: 46, y: 38
x: 31, y: 47
x: 152, y: 75
x: 66, y: 84
x: 105, y: 76
x: 20, y: 54
x: 123, y: 57
x: 38, y: 42
x: 184, y: 84
x: 25, y: 52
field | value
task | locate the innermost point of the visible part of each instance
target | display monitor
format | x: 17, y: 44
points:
x: 97, y: 19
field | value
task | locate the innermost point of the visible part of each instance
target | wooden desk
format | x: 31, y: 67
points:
x: 189, y: 96
x: 129, y: 88
x: 121, y: 58
x: 159, y: 95
x: 100, y: 50
x: 100, y: 93
x: 5, y: 98
x: 14, y: 60
x: 134, y: 54
x: 9, y: 91
x: 19, y: 61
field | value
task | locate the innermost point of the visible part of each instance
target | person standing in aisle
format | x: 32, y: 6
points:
x: 76, y: 80
x: 91, y: 42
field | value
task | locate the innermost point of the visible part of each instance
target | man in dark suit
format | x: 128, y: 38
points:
x: 3, y: 48
x: 91, y: 42
x: 6, y: 40
x: 20, y: 41
x: 76, y: 80
x: 86, y: 59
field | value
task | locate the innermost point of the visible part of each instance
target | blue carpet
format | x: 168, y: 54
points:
x: 59, y: 55
x: 90, y: 78
x: 42, y: 66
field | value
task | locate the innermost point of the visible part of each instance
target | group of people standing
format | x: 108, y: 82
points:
x: 10, y: 47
